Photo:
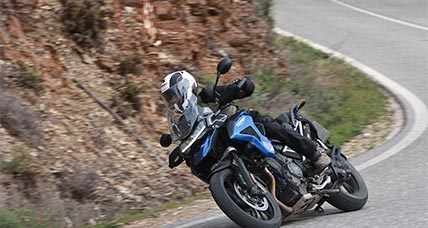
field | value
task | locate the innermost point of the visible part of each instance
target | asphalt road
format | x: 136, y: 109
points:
x: 398, y: 186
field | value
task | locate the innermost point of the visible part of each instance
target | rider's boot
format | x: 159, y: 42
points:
x: 321, y: 163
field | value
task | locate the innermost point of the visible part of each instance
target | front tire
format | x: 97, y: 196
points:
x: 353, y: 193
x: 229, y: 196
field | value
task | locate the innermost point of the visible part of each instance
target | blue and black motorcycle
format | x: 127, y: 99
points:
x: 259, y: 182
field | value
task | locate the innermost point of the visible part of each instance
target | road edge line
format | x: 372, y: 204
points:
x: 378, y: 15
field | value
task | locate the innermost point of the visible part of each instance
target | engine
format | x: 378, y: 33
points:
x: 289, y: 176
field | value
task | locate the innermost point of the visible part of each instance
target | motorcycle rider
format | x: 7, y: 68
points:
x: 179, y: 89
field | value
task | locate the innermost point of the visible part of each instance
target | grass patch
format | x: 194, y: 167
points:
x: 21, y: 218
x: 338, y: 96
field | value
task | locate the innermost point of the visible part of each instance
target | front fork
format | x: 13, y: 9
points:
x: 230, y: 159
x: 244, y: 176
x: 340, y: 172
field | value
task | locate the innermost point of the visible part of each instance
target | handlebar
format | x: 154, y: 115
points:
x: 227, y: 93
x: 294, y: 113
x: 302, y: 103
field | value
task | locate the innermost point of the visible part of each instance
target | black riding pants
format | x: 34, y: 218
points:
x: 291, y: 138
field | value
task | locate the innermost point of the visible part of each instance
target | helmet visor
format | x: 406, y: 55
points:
x: 182, y: 121
x: 173, y: 97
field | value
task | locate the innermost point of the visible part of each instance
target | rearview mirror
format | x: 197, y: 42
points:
x: 165, y: 140
x: 224, y: 66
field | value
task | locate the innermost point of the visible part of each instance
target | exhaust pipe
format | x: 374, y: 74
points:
x: 286, y: 208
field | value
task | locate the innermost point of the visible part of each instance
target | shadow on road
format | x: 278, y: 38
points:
x: 310, y: 215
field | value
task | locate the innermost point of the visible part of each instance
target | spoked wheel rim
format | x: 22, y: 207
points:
x: 224, y: 193
x: 351, y: 185
x: 256, y: 206
x: 258, y: 203
x: 353, y: 193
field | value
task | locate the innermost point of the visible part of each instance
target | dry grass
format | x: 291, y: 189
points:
x: 79, y: 185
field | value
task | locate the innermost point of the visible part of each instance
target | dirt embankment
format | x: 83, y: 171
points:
x: 64, y: 156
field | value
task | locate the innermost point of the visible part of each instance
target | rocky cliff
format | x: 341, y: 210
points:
x: 61, y: 153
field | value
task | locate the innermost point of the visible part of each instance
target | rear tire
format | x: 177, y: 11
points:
x: 353, y: 193
x: 223, y: 191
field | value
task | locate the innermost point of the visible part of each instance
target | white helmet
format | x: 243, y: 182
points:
x: 178, y: 90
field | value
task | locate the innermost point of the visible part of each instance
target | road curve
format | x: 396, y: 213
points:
x: 371, y: 32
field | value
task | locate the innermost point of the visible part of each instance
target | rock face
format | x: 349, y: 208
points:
x: 84, y: 163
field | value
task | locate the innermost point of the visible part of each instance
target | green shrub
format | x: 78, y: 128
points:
x: 29, y: 77
x: 84, y: 21
x: 130, y: 93
x: 263, y: 10
x: 19, y: 164
x: 131, y: 65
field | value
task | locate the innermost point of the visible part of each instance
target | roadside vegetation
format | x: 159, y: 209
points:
x: 29, y: 78
x: 84, y: 21
x: 21, y: 218
x: 338, y: 96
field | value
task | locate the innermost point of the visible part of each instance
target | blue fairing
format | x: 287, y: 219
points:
x: 206, y: 147
x: 242, y: 128
x: 239, y: 129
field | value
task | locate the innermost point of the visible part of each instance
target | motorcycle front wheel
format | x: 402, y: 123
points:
x: 244, y: 209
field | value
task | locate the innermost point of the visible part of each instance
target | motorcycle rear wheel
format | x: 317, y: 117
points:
x: 353, y: 193
x: 244, y: 210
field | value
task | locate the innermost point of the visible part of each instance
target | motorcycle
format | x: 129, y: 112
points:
x: 259, y: 182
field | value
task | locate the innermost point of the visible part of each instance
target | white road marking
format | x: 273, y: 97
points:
x: 420, y: 111
x: 394, y: 20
